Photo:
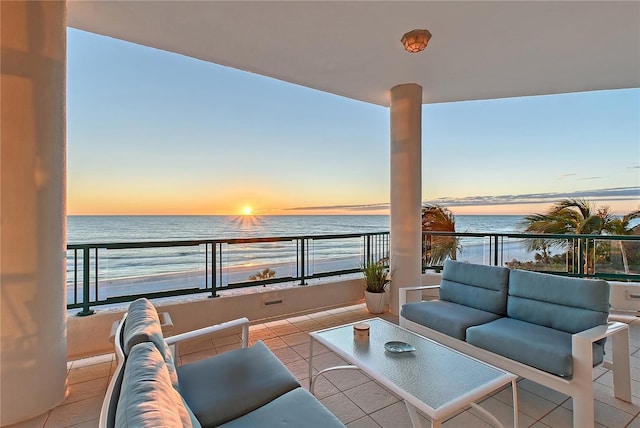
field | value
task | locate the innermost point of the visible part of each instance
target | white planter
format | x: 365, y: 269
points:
x: 375, y: 302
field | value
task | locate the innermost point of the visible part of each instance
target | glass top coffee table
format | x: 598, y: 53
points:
x: 433, y: 379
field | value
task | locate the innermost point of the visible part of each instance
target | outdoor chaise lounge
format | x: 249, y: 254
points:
x: 247, y: 387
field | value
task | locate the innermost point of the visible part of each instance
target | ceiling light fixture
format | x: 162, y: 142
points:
x: 416, y: 41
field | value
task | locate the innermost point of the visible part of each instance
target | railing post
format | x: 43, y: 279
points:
x: 581, y: 259
x: 303, y: 260
x: 85, y: 284
x: 214, y: 284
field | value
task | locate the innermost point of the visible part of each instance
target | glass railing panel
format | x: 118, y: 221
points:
x: 538, y: 254
x: 335, y: 255
x: 134, y: 271
x: 618, y: 257
x: 256, y: 263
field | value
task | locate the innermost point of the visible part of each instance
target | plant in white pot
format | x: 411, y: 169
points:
x: 376, y: 277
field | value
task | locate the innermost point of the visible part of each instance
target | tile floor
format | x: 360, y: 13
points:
x: 357, y: 400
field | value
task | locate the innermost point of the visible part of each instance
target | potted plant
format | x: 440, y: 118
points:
x: 376, y: 277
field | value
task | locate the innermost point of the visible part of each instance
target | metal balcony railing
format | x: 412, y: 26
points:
x: 610, y: 257
x: 109, y: 273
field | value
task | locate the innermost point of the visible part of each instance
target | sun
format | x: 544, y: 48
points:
x: 247, y: 210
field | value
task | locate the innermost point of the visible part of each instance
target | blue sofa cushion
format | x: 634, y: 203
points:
x: 449, y: 318
x: 566, y: 304
x: 537, y: 346
x: 477, y: 286
x: 297, y: 408
x: 227, y: 386
x: 143, y: 325
x: 147, y: 398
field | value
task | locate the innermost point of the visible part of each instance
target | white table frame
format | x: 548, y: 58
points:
x: 414, y: 404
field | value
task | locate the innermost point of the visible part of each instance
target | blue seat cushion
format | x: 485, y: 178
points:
x: 226, y: 386
x: 449, y: 318
x: 297, y: 408
x: 541, y: 347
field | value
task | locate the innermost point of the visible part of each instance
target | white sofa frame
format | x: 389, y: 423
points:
x: 579, y: 387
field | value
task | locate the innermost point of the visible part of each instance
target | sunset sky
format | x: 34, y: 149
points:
x: 151, y: 132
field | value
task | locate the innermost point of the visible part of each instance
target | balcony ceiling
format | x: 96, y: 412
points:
x: 479, y: 49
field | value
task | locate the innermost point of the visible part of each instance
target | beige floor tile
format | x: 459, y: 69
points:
x: 287, y: 355
x: 466, y: 420
x: 347, y: 379
x: 87, y: 389
x: 503, y: 412
x: 296, y: 338
x: 227, y: 340
x: 226, y: 348
x: 322, y: 387
x: 528, y: 402
x: 197, y: 356
x: 275, y: 343
x: 277, y: 323
x: 339, y: 310
x: 74, y: 413
x: 343, y: 408
x: 540, y: 425
x: 542, y: 391
x: 605, y: 394
x: 365, y: 422
x: 303, y: 349
x: 84, y: 373
x: 301, y: 318
x: 610, y: 416
x: 606, y: 415
x: 309, y: 325
x: 327, y: 360
x: 191, y: 346
x: 635, y: 423
x: 607, y: 379
x: 394, y: 416
x: 37, y: 422
x: 300, y: 370
x: 371, y: 397
x: 558, y: 418
x: 285, y: 329
x: 88, y: 424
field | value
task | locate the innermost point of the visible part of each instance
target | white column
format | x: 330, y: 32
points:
x: 33, y: 343
x: 405, y: 188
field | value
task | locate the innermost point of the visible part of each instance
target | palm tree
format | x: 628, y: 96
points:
x: 262, y: 275
x: 436, y: 249
x: 569, y: 216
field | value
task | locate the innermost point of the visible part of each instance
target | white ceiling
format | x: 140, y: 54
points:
x: 479, y: 49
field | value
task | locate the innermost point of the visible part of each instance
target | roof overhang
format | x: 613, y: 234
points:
x: 479, y: 49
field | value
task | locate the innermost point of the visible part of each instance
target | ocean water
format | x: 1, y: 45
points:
x: 240, y: 260
x: 109, y: 229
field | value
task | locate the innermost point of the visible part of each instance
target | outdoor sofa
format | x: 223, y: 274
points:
x: 247, y: 387
x: 547, y: 328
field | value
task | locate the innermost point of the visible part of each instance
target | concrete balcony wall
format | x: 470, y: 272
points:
x: 88, y: 336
